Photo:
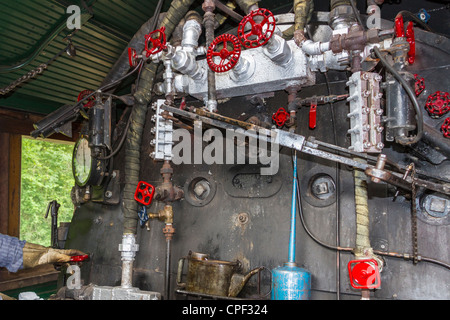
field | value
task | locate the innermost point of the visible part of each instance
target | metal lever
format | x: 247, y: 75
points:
x: 54, y: 206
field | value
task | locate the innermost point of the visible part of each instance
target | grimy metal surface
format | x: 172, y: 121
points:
x: 214, y: 228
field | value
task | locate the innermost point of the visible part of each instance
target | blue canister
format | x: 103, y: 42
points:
x: 291, y: 282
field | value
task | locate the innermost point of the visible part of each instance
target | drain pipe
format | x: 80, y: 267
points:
x: 209, y: 20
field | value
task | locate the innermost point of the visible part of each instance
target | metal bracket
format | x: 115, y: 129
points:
x: 163, y: 131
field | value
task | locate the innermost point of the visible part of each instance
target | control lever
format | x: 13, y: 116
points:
x: 54, y: 207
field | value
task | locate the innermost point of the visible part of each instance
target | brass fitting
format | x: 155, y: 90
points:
x: 165, y: 215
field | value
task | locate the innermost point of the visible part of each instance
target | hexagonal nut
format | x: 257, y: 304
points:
x: 278, y: 50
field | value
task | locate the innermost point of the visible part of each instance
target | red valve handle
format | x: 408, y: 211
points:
x: 280, y: 117
x: 400, y: 32
x: 260, y: 32
x: 132, y: 57
x: 445, y: 128
x: 438, y: 104
x: 156, y: 44
x: 313, y: 115
x: 412, y: 42
x: 419, y: 85
x: 227, y: 58
x: 364, y: 274
x: 79, y: 258
x: 144, y: 193
x: 88, y: 103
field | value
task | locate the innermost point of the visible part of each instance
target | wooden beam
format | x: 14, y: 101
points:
x: 19, y: 122
x: 4, y: 182
x: 15, y: 160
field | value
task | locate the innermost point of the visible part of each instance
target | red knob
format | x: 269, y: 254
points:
x: 256, y: 28
x: 223, y: 53
x: 280, y: 117
x: 132, y: 57
x: 364, y: 274
x: 144, y: 193
x: 437, y: 104
x: 445, y: 128
x: 79, y: 258
x: 155, y: 42
x: 89, y: 102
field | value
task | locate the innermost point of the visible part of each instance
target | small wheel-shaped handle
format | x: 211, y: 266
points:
x: 223, y: 53
x: 132, y: 57
x: 144, y: 193
x: 89, y: 102
x: 445, y: 128
x: 256, y: 28
x: 155, y: 42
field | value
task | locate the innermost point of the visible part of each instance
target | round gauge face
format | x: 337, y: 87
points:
x: 82, y: 162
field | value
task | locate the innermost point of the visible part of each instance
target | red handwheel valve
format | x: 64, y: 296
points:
x: 445, y: 128
x: 89, y: 102
x: 132, y: 57
x: 144, y: 193
x: 280, y: 117
x: 419, y: 85
x: 438, y: 104
x: 155, y: 41
x: 256, y: 28
x: 223, y: 53
x: 364, y: 274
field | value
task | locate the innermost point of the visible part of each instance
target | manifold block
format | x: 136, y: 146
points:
x: 365, y: 112
x: 163, y: 131
x: 256, y: 73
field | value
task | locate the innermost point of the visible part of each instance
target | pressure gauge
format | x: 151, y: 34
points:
x: 82, y: 162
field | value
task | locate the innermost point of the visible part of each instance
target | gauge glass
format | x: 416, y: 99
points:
x: 82, y: 162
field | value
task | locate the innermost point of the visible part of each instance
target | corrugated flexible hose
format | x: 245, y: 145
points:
x: 143, y: 95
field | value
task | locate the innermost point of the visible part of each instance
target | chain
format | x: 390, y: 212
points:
x: 31, y: 74
x: 414, y: 216
x: 438, y: 9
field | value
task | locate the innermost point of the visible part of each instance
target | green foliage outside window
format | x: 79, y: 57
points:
x: 46, y: 176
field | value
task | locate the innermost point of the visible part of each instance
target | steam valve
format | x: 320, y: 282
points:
x: 88, y: 103
x: 445, y: 128
x: 155, y: 42
x: 262, y: 26
x: 229, y: 53
x: 144, y: 193
x: 410, y: 38
x: 437, y: 104
x: 280, y: 117
x: 132, y: 57
x: 420, y: 84
x: 364, y: 274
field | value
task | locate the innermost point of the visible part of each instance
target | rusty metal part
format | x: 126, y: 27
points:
x: 355, y: 39
x: 167, y: 192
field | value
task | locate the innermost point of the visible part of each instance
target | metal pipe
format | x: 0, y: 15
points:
x: 167, y: 271
x: 292, y: 234
x: 209, y: 21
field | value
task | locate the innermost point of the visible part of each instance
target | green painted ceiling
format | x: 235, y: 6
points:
x: 33, y: 31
